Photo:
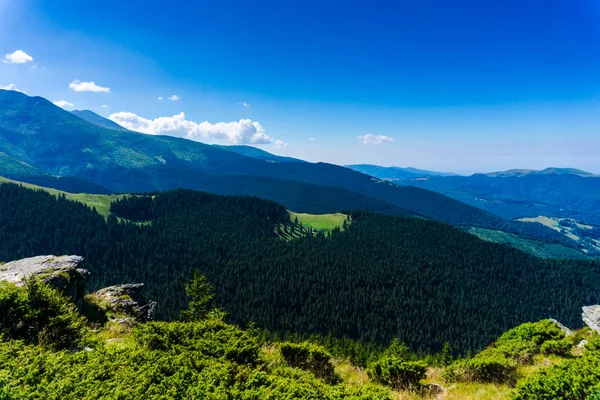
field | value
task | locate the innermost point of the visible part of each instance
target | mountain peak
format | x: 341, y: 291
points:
x: 96, y: 119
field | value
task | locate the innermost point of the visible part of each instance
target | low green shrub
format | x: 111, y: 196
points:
x: 573, y: 379
x: 182, y: 370
x: 310, y: 357
x: 38, y: 314
x: 532, y: 332
x: 499, y: 362
x: 594, y: 393
x: 398, y: 373
x: 525, y: 341
x: 490, y: 368
x: 559, y: 347
x: 210, y: 337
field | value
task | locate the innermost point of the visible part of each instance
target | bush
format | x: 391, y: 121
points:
x: 595, y: 393
x: 498, y: 363
x: 574, y: 379
x: 210, y: 338
x: 38, y: 314
x: 311, y: 357
x: 183, y: 370
x: 524, y: 341
x: 397, y: 373
x: 559, y: 347
x: 489, y: 368
x: 533, y: 332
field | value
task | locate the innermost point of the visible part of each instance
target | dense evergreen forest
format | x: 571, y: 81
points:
x: 381, y: 278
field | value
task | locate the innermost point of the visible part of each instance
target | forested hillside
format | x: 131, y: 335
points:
x: 383, y: 277
x: 41, y: 139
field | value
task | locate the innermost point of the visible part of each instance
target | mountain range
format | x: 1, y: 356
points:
x: 515, y: 193
x: 354, y: 280
x: 395, y: 173
x: 43, y: 144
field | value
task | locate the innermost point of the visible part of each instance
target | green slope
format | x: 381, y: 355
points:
x: 101, y: 203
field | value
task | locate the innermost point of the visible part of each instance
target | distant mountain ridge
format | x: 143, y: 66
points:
x: 40, y: 135
x: 550, y: 170
x: 514, y: 193
x: 395, y: 173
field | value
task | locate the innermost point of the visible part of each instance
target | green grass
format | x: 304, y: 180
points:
x: 318, y: 223
x: 98, y: 201
x: 322, y: 222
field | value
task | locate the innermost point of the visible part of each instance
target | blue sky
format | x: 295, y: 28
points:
x: 458, y: 85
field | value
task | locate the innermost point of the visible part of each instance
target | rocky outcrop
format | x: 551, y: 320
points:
x: 120, y: 303
x: 591, y: 317
x: 125, y: 303
x: 61, y: 273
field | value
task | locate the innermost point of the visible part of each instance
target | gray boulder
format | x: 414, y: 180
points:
x: 591, y: 317
x: 563, y: 328
x: 125, y: 303
x: 61, y: 273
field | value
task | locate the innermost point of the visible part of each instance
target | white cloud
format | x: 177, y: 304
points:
x: 243, y: 131
x: 104, y: 106
x: 243, y: 103
x: 174, y: 98
x: 18, y: 57
x: 63, y: 103
x: 312, y: 139
x: 369, y: 138
x: 160, y: 97
x: 79, y: 86
x: 12, y: 86
x: 279, y: 144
